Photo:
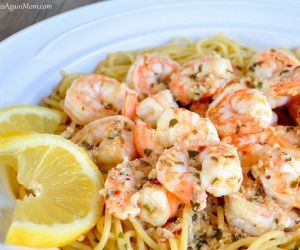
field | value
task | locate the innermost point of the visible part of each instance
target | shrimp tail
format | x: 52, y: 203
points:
x: 130, y: 103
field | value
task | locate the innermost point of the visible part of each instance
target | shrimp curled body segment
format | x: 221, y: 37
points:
x: 173, y: 126
x: 276, y: 73
x: 254, y: 212
x: 279, y: 172
x: 108, y: 140
x: 91, y: 97
x: 201, y: 78
x: 121, y: 188
x: 239, y: 110
x: 150, y: 109
x: 150, y: 73
x: 157, y: 204
x: 190, y: 169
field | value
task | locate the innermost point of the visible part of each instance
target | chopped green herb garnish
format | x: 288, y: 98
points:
x: 173, y: 122
x: 195, y: 206
x: 194, y: 217
x: 120, y: 235
x: 259, y: 85
x: 108, y: 106
x: 147, y: 151
x: 192, y: 154
x: 283, y: 72
x: 295, y: 183
x: 219, y: 234
x: 86, y: 145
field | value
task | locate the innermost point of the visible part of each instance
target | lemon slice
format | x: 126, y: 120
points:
x: 62, y: 201
x: 22, y: 118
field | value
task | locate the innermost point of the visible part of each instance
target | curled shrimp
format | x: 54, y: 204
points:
x: 150, y: 109
x: 200, y: 79
x: 121, y: 186
x: 276, y: 73
x: 173, y: 126
x: 150, y: 74
x: 91, y: 97
x: 108, y: 140
x: 253, y: 212
x: 157, y: 204
x: 239, y: 110
x: 188, y: 170
x: 275, y: 136
x: 278, y: 170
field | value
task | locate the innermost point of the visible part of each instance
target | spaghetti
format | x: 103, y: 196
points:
x: 113, y: 233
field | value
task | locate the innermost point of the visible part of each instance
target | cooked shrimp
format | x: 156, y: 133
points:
x: 239, y: 110
x: 179, y: 170
x: 276, y: 74
x: 200, y: 79
x: 173, y: 126
x: 253, y: 211
x: 279, y: 171
x: 289, y: 133
x: 256, y: 215
x: 121, y: 186
x: 277, y: 136
x: 108, y: 140
x: 221, y: 172
x: 157, y: 205
x: 150, y: 73
x: 150, y: 109
x: 91, y: 97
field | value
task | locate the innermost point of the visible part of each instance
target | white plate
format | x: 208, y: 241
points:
x: 76, y: 41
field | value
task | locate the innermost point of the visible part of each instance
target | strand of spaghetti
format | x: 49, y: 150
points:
x: 91, y: 237
x: 173, y: 243
x: 265, y: 237
x: 162, y: 246
x: 106, y: 231
x: 241, y: 243
x: 220, y: 214
x: 119, y: 233
x: 293, y: 237
x: 141, y: 232
x: 81, y: 246
x: 274, y: 243
x: 111, y: 244
x: 127, y: 237
x: 186, y: 222
x: 97, y: 234
x: 140, y: 243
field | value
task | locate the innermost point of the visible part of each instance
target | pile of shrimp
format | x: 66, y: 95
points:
x: 201, y: 135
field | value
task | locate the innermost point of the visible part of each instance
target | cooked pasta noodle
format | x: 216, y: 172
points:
x: 113, y: 233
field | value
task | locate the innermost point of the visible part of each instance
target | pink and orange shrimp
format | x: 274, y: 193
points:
x: 91, y: 97
x: 239, y: 110
x: 108, y: 140
x: 200, y: 79
x: 151, y: 73
x: 190, y: 169
x: 173, y: 126
x: 276, y: 73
